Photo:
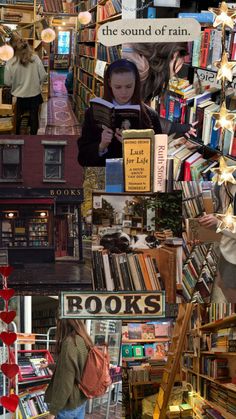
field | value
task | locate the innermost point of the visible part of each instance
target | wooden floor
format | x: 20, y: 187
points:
x: 115, y: 413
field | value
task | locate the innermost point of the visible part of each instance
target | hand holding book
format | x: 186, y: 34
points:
x: 106, y: 138
x: 208, y: 221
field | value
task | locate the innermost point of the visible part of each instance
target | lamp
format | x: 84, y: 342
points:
x: 227, y: 221
x: 48, y: 34
x: 6, y: 51
x: 84, y: 18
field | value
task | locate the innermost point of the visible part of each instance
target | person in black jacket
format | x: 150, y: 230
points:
x: 121, y: 87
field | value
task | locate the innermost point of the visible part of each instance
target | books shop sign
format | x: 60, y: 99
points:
x: 121, y: 305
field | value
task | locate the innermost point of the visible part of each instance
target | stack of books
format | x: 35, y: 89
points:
x: 186, y: 411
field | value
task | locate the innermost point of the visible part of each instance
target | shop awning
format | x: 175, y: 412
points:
x: 35, y: 201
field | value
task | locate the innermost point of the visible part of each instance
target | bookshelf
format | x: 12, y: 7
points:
x: 210, y: 365
x: 148, y: 344
x: 91, y: 55
x: 199, y: 254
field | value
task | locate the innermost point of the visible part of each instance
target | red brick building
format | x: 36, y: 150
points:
x: 40, y: 196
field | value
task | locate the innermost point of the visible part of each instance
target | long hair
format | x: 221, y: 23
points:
x: 122, y: 66
x: 159, y: 56
x: 70, y: 328
x: 22, y: 51
x: 125, y: 66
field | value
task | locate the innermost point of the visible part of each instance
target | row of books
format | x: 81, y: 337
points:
x: 11, y: 17
x: 127, y: 271
x: 218, y: 311
x: 58, y: 6
x: 146, y: 372
x: 32, y: 404
x: 216, y: 368
x: 206, y: 50
x: 98, y: 88
x: 204, y: 411
x: 83, y: 94
x: 146, y: 330
x: 110, y: 8
x: 197, y: 275
x: 108, y: 54
x: 193, y: 206
x: 222, y: 396
x: 90, y: 4
x: 87, y: 64
x: 87, y: 35
x: 87, y: 50
x: 150, y: 350
x: 86, y: 79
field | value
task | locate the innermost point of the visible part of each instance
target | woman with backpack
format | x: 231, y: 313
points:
x: 65, y: 399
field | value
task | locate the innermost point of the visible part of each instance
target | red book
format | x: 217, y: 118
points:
x: 187, y: 165
x: 205, y: 46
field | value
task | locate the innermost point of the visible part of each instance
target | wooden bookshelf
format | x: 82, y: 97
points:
x: 88, y: 47
x: 196, y: 374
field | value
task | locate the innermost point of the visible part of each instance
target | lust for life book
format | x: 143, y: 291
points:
x: 115, y: 116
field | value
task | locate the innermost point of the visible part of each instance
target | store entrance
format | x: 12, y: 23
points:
x: 61, y: 236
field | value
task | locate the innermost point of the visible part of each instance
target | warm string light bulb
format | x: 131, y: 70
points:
x: 224, y: 15
x: 6, y: 51
x: 225, y: 68
x: 224, y: 119
x: 84, y: 17
x: 227, y: 221
x: 48, y: 35
x: 223, y: 173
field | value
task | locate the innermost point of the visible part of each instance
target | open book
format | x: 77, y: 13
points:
x: 119, y: 116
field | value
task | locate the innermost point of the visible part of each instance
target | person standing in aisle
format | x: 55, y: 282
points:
x: 121, y: 87
x: 25, y: 74
x: 65, y: 399
x: 157, y: 64
x: 227, y: 247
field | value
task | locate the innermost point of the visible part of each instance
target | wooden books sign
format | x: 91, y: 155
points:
x: 121, y: 305
x: 137, y: 155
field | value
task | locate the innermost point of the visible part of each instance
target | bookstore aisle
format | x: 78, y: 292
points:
x: 70, y: 53
x: 191, y: 375
x: 37, y: 344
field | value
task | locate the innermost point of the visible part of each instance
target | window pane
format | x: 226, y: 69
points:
x: 53, y: 172
x: 63, y: 42
x: 53, y: 155
x: 11, y: 171
x: 11, y: 155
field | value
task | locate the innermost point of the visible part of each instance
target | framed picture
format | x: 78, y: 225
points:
x: 127, y: 223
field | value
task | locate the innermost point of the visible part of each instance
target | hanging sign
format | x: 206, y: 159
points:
x: 121, y: 305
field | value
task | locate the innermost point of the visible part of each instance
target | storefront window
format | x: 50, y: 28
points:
x: 53, y: 163
x: 11, y: 162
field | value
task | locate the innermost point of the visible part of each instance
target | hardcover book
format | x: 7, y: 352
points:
x: 123, y: 117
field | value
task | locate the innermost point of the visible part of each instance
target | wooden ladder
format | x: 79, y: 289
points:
x: 173, y: 360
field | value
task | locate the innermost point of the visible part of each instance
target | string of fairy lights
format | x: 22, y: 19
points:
x: 225, y: 120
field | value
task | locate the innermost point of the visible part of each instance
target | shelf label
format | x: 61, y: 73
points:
x: 121, y: 305
x: 209, y: 77
x: 100, y: 68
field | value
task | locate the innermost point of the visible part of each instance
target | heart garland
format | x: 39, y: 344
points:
x: 9, y: 369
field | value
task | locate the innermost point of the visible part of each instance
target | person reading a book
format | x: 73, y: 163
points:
x: 227, y: 246
x: 65, y: 398
x: 101, y: 141
x: 25, y: 74
x: 157, y: 64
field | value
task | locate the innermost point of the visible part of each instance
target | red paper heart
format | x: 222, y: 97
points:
x: 6, y: 270
x: 10, y: 370
x: 10, y: 402
x: 7, y: 293
x: 8, y: 338
x: 7, y: 316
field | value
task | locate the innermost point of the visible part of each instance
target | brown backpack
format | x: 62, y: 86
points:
x: 96, y: 376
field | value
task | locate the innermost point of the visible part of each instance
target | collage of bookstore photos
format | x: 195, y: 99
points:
x: 117, y: 203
